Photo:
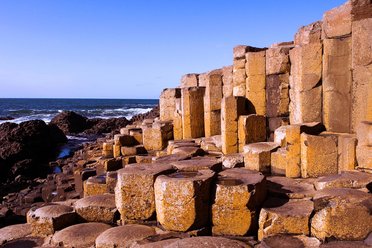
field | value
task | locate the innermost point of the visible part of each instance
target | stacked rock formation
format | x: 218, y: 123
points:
x: 273, y: 151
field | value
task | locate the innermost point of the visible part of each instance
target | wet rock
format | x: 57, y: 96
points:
x: 280, y: 216
x: 98, y: 208
x: 48, y: 219
x: 238, y: 195
x: 80, y: 235
x: 123, y: 236
x: 182, y: 200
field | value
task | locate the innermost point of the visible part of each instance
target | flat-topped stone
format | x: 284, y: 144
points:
x: 80, y: 235
x: 284, y: 187
x: 349, y: 179
x: 14, y: 232
x: 233, y: 160
x: 289, y: 241
x: 345, y: 244
x: 160, y: 240
x: 257, y: 156
x: 208, y: 242
x: 182, y: 199
x: 170, y: 158
x: 98, y: 208
x: 198, y: 163
x: 238, y: 195
x: 123, y: 236
x: 191, y: 151
x: 48, y: 219
x: 344, y: 214
x: 279, y: 216
x: 134, y: 193
x: 95, y: 185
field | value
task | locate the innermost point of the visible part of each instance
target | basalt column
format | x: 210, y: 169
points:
x: 212, y: 103
x: 167, y: 103
x: 193, y: 112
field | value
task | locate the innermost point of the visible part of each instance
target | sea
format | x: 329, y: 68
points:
x: 20, y: 110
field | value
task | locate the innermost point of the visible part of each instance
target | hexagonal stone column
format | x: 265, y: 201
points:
x: 134, y: 192
x: 123, y: 236
x: 257, y: 156
x: 279, y: 216
x: 208, y: 242
x: 48, y: 219
x: 238, y: 194
x: 182, y: 200
x: 98, y: 208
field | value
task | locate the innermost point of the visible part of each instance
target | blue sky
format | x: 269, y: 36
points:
x: 132, y: 49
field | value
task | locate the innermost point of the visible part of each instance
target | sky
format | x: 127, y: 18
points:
x: 133, y: 49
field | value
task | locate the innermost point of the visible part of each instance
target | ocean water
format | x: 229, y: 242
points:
x: 45, y: 109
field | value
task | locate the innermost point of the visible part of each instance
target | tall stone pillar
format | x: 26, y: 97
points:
x: 193, y: 112
x: 167, y: 103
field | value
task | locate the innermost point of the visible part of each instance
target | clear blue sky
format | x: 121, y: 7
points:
x: 133, y: 49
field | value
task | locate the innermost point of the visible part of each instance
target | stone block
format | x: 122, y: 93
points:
x: 361, y: 9
x: 48, y: 219
x: 238, y: 195
x: 251, y: 129
x: 239, y: 77
x: 289, y: 188
x: 143, y: 158
x: 133, y: 150
x: 80, y: 235
x: 231, y: 108
x: 193, y: 112
x: 309, y: 34
x: 111, y: 164
x: 189, y: 151
x: 156, y: 136
x: 337, y: 84
x: 279, y: 162
x: 318, y: 155
x: 137, y: 135
x: 212, y: 123
x: 361, y: 95
x: 124, y: 140
x: 337, y: 21
x: 167, y: 103
x: 98, y: 208
x: 346, y: 152
x: 361, y: 43
x: 233, y: 160
x: 364, y: 147
x: 257, y: 156
x: 348, y: 179
x: 343, y: 214
x: 134, y: 192
x: 280, y: 134
x: 182, y: 200
x: 80, y: 175
x: 177, y: 121
x: 305, y: 83
x: 277, y: 95
x: 197, y: 164
x: 256, y: 80
x: 227, y: 81
x: 111, y: 179
x: 189, y: 80
x: 279, y: 216
x: 95, y: 185
x: 123, y: 236
x: 277, y: 60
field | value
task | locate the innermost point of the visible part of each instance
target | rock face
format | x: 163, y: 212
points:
x: 26, y: 147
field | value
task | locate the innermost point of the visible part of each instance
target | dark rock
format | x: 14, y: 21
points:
x: 70, y: 122
x: 152, y: 114
x: 6, y: 118
x: 101, y: 126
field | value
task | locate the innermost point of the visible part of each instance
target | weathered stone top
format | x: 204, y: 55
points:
x: 14, y: 232
x: 289, y: 207
x: 52, y: 211
x: 207, y: 242
x: 291, y: 188
x: 171, y: 158
x: 101, y: 179
x: 347, y: 179
x: 145, y: 169
x: 123, y: 236
x: 260, y: 147
x: 237, y: 176
x: 287, y: 241
x: 106, y: 201
x: 198, y: 163
x: 187, y: 175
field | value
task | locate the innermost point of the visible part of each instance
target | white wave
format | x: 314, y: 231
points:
x: 70, y: 137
